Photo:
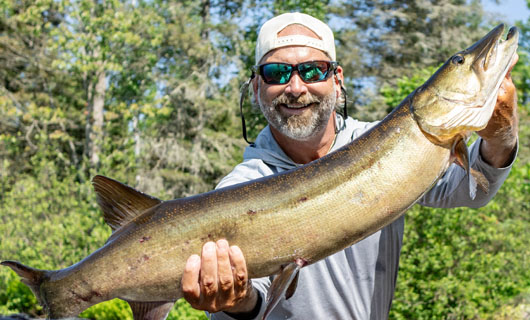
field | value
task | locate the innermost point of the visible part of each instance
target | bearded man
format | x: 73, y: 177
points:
x: 297, y: 87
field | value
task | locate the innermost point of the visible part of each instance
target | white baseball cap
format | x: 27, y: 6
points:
x: 268, y: 35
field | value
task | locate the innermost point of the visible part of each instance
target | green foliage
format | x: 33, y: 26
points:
x: 392, y: 96
x: 465, y: 263
x: 317, y: 9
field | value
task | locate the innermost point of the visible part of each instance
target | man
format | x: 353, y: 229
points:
x: 358, y: 282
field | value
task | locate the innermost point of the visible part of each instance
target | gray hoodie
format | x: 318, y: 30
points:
x: 358, y: 282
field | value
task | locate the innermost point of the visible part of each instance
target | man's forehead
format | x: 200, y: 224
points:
x: 297, y: 29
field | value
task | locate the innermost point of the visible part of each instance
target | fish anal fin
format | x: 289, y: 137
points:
x: 120, y: 203
x: 150, y: 310
x: 283, y: 284
x: 460, y: 153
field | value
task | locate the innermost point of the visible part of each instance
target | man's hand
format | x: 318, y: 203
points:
x: 218, y: 280
x: 500, y: 135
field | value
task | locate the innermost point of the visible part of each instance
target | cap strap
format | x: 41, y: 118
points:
x: 244, y: 92
x: 299, y: 40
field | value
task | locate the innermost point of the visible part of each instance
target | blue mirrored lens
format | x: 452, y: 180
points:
x: 312, y: 72
x: 277, y: 73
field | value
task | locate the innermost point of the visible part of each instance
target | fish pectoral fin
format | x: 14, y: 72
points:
x: 119, y: 202
x: 150, y: 310
x: 460, y: 153
x: 292, y: 287
x: 283, y: 283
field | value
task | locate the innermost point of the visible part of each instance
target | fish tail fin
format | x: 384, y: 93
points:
x: 52, y: 295
x: 31, y: 277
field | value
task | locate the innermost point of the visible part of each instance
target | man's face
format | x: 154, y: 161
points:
x: 297, y: 109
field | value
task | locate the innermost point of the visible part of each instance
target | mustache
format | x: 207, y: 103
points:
x: 302, y: 100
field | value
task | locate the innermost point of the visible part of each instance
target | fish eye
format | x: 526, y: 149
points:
x: 458, y: 59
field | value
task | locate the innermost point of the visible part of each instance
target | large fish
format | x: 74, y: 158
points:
x: 292, y: 219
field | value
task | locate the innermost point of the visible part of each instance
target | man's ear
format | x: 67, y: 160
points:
x: 339, y: 79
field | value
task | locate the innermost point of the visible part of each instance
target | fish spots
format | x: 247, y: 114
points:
x: 251, y: 212
x: 145, y: 239
x: 135, y: 263
x: 209, y: 237
x: 85, y: 297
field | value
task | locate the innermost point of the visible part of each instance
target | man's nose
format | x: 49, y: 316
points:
x: 296, y: 87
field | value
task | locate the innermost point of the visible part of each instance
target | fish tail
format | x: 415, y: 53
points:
x: 59, y: 295
x: 48, y: 294
x: 31, y: 277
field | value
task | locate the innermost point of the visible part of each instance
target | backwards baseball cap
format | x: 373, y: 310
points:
x: 268, y: 35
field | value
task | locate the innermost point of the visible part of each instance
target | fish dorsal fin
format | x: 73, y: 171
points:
x: 150, y: 310
x: 119, y: 202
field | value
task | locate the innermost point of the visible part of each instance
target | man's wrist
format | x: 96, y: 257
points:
x: 248, y: 308
x: 498, y: 155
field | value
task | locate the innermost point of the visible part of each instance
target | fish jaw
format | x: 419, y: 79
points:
x: 461, y: 95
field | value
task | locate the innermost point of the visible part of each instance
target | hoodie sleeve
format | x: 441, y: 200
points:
x: 246, y: 171
x: 452, y: 190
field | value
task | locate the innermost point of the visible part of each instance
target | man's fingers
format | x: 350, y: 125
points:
x: 209, y: 270
x: 216, y: 280
x: 239, y: 271
x: 224, y: 269
x: 190, y: 279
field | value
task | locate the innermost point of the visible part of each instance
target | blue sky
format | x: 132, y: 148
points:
x: 512, y: 10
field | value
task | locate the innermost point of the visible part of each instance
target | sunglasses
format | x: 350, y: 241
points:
x: 309, y: 72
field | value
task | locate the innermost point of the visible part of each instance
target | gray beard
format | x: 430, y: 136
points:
x: 299, y: 127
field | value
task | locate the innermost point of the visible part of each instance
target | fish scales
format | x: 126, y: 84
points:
x: 324, y: 222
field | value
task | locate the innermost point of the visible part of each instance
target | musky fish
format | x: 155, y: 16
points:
x: 286, y: 221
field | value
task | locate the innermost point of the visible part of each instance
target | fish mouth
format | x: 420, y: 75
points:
x: 468, y: 84
x: 492, y: 54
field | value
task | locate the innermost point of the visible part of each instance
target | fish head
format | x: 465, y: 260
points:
x: 461, y: 95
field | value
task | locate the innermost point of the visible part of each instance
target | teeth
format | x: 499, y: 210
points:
x: 297, y: 106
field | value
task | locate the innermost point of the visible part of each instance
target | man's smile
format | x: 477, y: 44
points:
x: 295, y: 109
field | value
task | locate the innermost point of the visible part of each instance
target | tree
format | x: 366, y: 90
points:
x: 391, y: 39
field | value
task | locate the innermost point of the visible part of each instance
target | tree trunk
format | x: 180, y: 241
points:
x: 94, y: 126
